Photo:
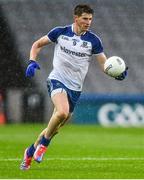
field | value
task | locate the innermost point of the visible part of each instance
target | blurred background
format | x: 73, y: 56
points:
x: 105, y: 101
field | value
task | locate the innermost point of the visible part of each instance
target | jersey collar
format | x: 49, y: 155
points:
x: 72, y: 28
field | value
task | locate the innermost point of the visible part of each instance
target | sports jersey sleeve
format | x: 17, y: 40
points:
x: 54, y: 34
x: 97, y: 46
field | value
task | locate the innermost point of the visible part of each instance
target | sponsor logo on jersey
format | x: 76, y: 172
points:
x: 79, y: 54
x: 65, y: 38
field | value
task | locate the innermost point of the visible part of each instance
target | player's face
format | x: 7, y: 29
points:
x: 84, y: 21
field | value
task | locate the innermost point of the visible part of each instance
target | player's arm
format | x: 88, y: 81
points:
x: 34, y: 52
x: 37, y: 46
x: 101, y: 58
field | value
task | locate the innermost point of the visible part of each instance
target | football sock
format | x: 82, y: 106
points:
x: 31, y: 150
x: 44, y: 141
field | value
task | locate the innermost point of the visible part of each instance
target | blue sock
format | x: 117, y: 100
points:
x: 31, y: 150
x: 44, y: 141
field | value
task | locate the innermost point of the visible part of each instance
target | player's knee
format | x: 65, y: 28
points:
x: 62, y: 115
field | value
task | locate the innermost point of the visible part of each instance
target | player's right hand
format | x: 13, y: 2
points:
x: 30, y: 70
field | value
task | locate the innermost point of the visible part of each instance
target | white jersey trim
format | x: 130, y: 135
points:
x: 59, y: 90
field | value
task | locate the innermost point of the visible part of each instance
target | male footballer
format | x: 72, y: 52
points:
x: 74, y: 47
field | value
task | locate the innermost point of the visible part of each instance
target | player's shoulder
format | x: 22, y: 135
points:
x: 57, y: 31
x: 92, y: 36
x: 61, y: 29
x: 95, y: 40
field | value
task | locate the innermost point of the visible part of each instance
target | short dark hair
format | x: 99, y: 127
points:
x: 83, y: 8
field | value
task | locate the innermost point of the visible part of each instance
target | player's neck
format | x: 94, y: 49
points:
x: 77, y: 30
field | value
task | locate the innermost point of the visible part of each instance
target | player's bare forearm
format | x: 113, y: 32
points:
x: 34, y: 51
x: 37, y: 46
x: 101, y: 58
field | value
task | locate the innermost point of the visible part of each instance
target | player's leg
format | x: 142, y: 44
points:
x: 60, y: 125
x: 54, y: 133
x: 28, y: 154
x: 41, y: 135
x: 60, y: 115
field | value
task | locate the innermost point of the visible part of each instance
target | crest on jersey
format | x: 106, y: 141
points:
x: 84, y: 44
x: 75, y: 41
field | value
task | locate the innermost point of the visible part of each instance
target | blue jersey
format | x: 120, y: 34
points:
x: 72, y: 55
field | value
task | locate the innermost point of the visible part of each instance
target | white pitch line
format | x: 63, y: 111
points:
x: 82, y: 159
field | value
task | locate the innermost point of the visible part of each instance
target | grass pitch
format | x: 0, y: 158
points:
x: 79, y: 151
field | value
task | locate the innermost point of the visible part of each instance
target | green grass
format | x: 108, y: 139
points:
x: 112, y: 152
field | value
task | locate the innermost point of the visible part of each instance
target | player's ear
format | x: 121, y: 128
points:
x: 75, y: 17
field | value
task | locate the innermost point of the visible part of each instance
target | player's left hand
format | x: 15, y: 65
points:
x: 30, y: 71
x: 123, y: 75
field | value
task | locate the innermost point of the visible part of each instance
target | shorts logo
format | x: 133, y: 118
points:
x: 58, y: 84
